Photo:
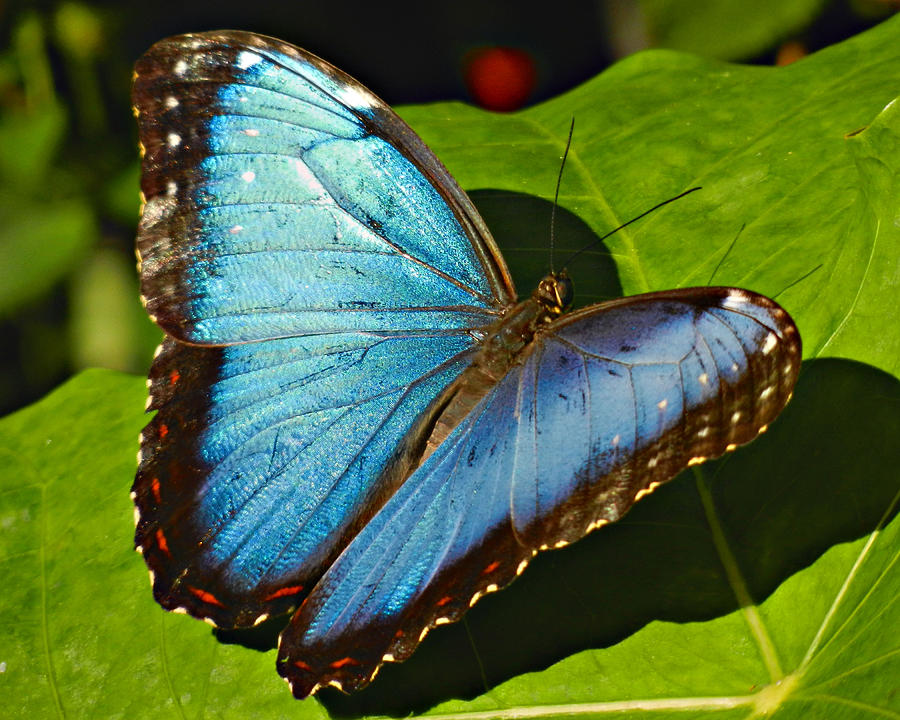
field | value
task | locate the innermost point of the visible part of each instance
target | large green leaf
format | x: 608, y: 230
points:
x: 802, y: 157
x: 767, y: 583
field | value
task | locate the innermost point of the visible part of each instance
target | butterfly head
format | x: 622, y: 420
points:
x: 555, y: 293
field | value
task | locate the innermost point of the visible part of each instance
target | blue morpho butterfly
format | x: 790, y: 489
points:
x: 353, y: 411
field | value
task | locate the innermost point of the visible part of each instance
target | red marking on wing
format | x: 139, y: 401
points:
x: 490, y: 568
x: 399, y: 634
x: 174, y: 377
x: 163, y: 430
x: 302, y: 665
x: 161, y: 541
x: 292, y: 590
x: 154, y: 488
x: 444, y: 600
x: 206, y: 597
x: 343, y: 661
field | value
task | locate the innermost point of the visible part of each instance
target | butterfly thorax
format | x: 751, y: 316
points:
x: 506, y: 344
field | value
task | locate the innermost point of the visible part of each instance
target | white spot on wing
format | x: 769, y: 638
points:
x: 236, y: 229
x: 387, y: 657
x: 646, y: 491
x: 248, y: 176
x: 247, y: 59
x: 767, y: 392
x: 442, y: 621
x: 703, y: 432
x: 770, y: 343
x: 735, y: 417
x: 251, y: 132
x: 598, y: 524
x: 521, y: 568
x: 703, y: 378
x: 356, y: 98
x: 734, y: 299
x: 180, y: 67
x: 171, y: 101
x: 174, y: 139
x: 662, y: 404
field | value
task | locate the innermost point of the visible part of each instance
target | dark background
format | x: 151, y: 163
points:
x: 68, y: 158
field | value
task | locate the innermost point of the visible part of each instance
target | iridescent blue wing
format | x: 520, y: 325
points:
x: 608, y: 403
x: 321, y: 279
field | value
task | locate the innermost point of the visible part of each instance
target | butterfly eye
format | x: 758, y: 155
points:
x: 565, y: 291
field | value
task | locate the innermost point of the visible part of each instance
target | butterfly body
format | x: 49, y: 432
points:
x: 355, y: 420
x: 504, y: 345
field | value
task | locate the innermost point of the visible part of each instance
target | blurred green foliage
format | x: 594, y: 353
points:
x: 68, y: 205
x: 68, y: 158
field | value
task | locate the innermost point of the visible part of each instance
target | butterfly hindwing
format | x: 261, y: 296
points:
x: 259, y: 464
x: 321, y: 279
x: 609, y: 402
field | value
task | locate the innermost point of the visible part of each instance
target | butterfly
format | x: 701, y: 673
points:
x: 356, y: 421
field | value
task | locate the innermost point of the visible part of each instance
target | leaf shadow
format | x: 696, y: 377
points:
x: 521, y: 226
x: 823, y: 474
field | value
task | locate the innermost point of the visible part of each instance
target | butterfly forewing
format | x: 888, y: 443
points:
x: 274, y: 207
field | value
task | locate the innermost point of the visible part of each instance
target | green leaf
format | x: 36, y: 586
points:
x: 29, y: 142
x: 40, y: 242
x: 765, y: 584
x: 726, y: 29
x: 81, y: 635
x: 777, y: 151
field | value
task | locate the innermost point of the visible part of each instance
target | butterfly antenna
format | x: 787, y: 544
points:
x: 556, y: 195
x: 727, y: 253
x: 633, y: 220
x: 797, y: 281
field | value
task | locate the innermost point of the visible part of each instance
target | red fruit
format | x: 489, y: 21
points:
x: 500, y: 78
